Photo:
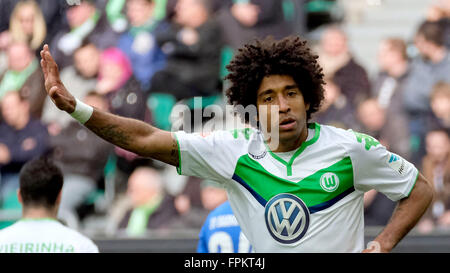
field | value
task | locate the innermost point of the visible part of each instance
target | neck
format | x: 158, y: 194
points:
x: 147, y: 21
x: 398, y: 70
x: 21, y: 122
x: 39, y: 213
x: 197, y: 21
x: 286, y: 145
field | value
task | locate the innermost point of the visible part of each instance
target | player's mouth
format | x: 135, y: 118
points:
x: 287, y: 124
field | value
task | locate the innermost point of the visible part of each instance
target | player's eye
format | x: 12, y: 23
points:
x: 268, y: 99
x: 292, y: 93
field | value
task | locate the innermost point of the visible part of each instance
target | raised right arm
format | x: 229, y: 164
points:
x: 130, y: 134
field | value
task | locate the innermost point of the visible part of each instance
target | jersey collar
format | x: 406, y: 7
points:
x: 302, y: 147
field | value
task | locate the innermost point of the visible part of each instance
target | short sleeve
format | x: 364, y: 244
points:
x: 376, y: 168
x: 211, y: 156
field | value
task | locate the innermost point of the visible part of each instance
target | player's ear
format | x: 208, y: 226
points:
x: 19, y: 197
x: 307, y: 106
x: 58, y: 199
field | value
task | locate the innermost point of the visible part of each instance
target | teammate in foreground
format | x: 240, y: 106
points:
x: 303, y: 195
x: 38, y: 231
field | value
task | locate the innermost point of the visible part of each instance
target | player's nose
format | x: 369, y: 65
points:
x: 283, y: 104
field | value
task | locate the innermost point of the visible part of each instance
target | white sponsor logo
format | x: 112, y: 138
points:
x: 397, y: 163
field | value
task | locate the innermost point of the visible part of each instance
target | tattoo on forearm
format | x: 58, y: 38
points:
x: 135, y: 136
x: 174, y: 152
x: 112, y: 133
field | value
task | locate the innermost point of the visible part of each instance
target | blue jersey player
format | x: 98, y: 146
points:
x: 221, y: 233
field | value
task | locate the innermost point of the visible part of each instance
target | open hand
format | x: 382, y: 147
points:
x: 53, y: 85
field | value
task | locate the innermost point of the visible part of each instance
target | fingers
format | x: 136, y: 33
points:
x: 49, y: 66
x: 44, y: 68
x: 48, y: 63
x: 43, y: 61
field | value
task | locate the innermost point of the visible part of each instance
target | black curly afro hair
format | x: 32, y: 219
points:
x: 289, y: 56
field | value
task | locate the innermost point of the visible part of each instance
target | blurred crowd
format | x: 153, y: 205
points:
x: 139, y: 58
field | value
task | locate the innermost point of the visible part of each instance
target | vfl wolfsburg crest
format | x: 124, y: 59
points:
x: 287, y: 218
x: 329, y: 182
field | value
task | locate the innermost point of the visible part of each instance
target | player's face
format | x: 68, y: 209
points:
x: 282, y: 91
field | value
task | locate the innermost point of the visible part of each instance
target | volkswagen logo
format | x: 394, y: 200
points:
x: 287, y: 218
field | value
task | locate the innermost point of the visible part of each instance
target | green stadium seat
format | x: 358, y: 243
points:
x: 11, y: 206
x: 225, y: 58
x: 160, y: 106
x: 320, y: 6
x: 288, y: 10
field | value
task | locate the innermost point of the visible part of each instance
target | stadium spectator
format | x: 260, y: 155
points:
x: 5, y: 40
x: 436, y: 168
x: 372, y: 117
x: 193, y: 45
x: 440, y: 104
x: 384, y: 116
x: 388, y: 88
x: 139, y: 44
x: 82, y: 158
x: 431, y: 67
x: 51, y: 10
x: 117, y: 82
x: 81, y: 78
x: 126, y: 98
x: 393, y: 69
x: 338, y: 64
x: 439, y: 12
x: 24, y: 75
x: 391, y: 132
x: 145, y: 207
x: 85, y: 22
x: 54, y: 15
x: 27, y: 25
x: 221, y: 233
x: 39, y: 230
x: 189, y: 205
x: 22, y: 138
x: 211, y: 196
x: 335, y: 109
x: 242, y: 21
x: 118, y: 20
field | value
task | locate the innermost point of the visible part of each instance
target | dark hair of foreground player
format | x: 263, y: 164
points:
x: 40, y: 183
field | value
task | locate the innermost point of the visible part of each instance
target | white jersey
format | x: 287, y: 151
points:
x: 43, y: 236
x: 310, y: 202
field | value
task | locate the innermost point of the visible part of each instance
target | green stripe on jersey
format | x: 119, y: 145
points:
x: 320, y: 187
x: 303, y: 146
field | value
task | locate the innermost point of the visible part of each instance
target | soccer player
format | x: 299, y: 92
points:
x: 304, y: 194
x: 38, y: 231
x: 221, y: 233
